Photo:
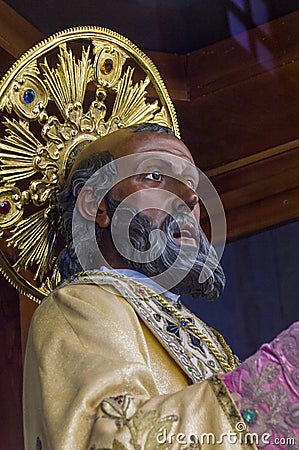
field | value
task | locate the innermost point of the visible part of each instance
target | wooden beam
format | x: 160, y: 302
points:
x: 259, y: 180
x: 243, y: 119
x: 7, y: 61
x: 257, y: 157
x: 172, y: 68
x: 246, y: 55
x: 252, y: 218
x: 264, y: 214
x: 17, y: 35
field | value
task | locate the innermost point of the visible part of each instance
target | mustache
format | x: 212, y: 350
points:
x: 197, y: 267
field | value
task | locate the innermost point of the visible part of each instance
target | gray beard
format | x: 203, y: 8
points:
x: 140, y: 229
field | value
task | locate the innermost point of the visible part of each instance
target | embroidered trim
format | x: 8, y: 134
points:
x: 174, y: 328
x: 230, y: 410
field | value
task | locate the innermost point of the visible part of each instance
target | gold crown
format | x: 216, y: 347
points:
x: 76, y: 86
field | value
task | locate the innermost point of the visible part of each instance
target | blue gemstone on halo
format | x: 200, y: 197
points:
x: 29, y: 96
x: 184, y: 323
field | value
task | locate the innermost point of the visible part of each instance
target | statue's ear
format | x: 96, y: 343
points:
x: 89, y: 210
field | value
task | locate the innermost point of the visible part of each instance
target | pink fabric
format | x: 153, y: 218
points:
x: 267, y: 384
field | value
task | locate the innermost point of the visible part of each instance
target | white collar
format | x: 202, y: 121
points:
x: 138, y: 276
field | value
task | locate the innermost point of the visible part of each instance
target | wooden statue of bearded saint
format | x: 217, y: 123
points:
x: 114, y: 360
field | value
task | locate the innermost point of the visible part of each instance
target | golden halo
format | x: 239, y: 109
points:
x: 75, y: 86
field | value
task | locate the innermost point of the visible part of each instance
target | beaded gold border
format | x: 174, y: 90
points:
x: 230, y: 410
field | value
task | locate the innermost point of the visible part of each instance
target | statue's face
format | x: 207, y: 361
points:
x: 165, y: 181
x: 150, y: 217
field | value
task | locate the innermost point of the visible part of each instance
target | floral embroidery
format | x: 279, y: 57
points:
x: 290, y: 346
x: 269, y: 403
x: 144, y: 426
x: 292, y: 417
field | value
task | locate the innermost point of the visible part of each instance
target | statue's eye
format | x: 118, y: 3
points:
x: 191, y: 184
x: 156, y: 176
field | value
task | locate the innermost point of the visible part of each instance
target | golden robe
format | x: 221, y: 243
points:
x: 96, y: 378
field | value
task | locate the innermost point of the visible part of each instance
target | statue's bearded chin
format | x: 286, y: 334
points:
x: 202, y: 277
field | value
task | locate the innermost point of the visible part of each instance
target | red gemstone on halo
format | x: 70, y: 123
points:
x: 142, y: 291
x: 5, y: 207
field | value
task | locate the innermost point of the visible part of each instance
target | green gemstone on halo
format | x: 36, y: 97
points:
x: 190, y: 369
x: 249, y: 415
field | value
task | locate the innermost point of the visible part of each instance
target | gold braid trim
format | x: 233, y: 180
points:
x: 232, y: 413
